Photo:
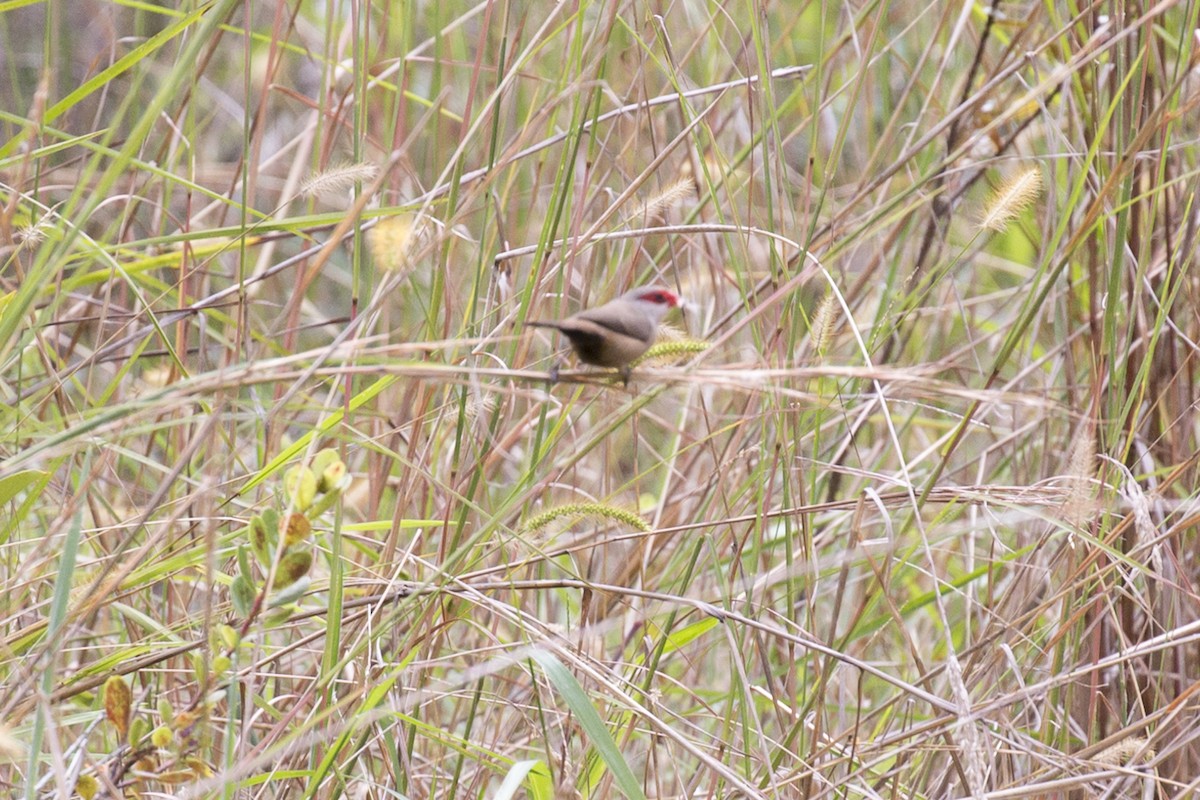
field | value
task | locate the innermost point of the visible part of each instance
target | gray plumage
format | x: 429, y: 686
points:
x: 618, y: 332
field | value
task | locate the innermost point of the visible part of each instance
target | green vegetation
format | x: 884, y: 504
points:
x: 903, y: 506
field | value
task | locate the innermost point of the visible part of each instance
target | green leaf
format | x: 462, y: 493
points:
x: 12, y: 485
x: 264, y: 535
x: 292, y: 568
x: 589, y: 719
x: 243, y: 560
x: 513, y: 780
x: 539, y: 783
x: 15, y: 4
x: 688, y: 634
x: 327, y: 424
x: 293, y: 592
x: 241, y: 594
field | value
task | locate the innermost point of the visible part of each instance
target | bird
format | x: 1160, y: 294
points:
x: 615, y: 334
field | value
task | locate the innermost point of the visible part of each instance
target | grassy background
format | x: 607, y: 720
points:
x: 919, y: 522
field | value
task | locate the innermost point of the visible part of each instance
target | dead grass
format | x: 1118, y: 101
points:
x: 919, y: 522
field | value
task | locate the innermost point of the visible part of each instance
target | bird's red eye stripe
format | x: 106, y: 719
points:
x: 664, y: 297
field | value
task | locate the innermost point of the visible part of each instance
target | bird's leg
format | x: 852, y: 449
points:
x: 554, y: 372
x: 626, y: 371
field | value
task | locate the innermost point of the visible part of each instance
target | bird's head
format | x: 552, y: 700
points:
x: 657, y: 297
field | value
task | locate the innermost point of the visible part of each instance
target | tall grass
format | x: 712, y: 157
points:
x: 291, y: 507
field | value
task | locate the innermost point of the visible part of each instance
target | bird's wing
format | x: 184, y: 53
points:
x: 635, y: 326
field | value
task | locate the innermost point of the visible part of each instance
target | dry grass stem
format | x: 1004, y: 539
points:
x: 292, y: 505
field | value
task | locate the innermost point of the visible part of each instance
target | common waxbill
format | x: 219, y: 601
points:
x: 616, y: 333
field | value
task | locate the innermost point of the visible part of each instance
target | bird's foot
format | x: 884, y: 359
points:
x: 554, y: 374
